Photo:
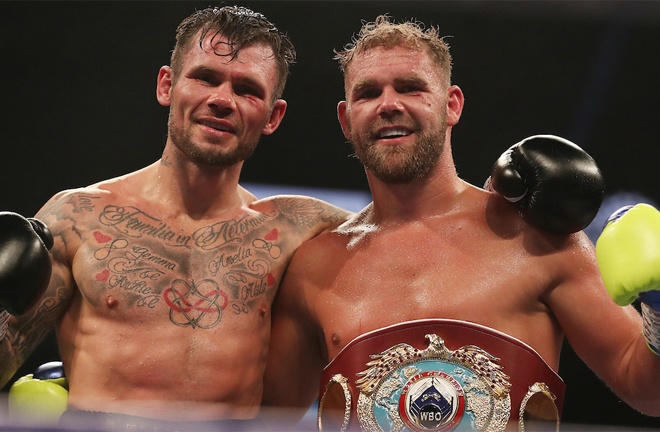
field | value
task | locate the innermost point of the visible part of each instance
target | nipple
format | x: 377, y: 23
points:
x: 111, y: 302
x: 335, y: 339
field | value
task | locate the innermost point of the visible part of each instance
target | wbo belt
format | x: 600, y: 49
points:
x: 439, y: 375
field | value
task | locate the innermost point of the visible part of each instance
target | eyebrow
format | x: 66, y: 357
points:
x: 369, y: 83
x: 202, y: 69
x: 360, y: 86
x: 411, y: 80
x: 242, y: 79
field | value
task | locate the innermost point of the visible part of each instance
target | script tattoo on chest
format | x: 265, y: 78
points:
x: 227, y: 232
x: 131, y: 268
x: 246, y: 270
x: 135, y: 223
x: 142, y: 260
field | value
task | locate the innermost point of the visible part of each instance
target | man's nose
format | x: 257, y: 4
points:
x: 222, y: 98
x: 390, y: 102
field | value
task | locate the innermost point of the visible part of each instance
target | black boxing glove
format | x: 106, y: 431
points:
x: 556, y: 184
x: 25, y: 265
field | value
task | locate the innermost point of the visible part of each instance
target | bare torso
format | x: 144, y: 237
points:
x: 468, y: 256
x: 167, y: 316
x: 456, y: 265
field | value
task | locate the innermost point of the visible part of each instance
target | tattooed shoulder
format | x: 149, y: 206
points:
x: 76, y: 201
x: 309, y: 212
x: 81, y: 203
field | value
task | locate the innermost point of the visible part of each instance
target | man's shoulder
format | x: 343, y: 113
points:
x: 290, y: 200
x: 83, y: 198
x: 80, y: 205
x: 303, y: 209
x: 107, y: 187
x: 337, y: 239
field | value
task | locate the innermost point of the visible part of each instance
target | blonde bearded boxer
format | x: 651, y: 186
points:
x: 162, y: 279
x: 437, y: 271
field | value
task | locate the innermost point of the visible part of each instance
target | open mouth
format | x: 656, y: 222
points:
x: 219, y: 126
x: 392, y: 133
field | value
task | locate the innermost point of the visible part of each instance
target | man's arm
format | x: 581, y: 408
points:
x: 296, y: 358
x: 26, y: 331
x: 315, y: 216
x: 607, y: 337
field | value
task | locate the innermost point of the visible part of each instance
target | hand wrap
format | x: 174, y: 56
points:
x: 651, y: 330
x: 4, y: 323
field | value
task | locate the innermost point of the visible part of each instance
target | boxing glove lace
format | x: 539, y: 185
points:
x: 555, y: 183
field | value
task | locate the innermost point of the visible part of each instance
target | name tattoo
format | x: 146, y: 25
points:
x: 228, y: 232
x: 136, y: 223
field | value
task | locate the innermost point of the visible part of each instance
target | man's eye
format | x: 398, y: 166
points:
x: 247, y: 90
x: 409, y: 89
x: 367, y: 94
x: 208, y: 79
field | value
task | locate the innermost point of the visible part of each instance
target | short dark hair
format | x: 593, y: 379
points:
x: 242, y: 27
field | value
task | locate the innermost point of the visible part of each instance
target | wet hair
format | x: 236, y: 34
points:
x: 241, y: 27
x: 383, y: 32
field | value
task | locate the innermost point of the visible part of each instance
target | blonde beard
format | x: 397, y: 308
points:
x: 401, y: 165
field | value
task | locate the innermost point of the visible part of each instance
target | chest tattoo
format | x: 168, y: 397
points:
x: 225, y: 267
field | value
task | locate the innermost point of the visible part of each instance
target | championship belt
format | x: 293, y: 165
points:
x: 439, y: 375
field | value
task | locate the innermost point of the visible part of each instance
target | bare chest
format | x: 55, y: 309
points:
x: 132, y: 262
x: 418, y: 277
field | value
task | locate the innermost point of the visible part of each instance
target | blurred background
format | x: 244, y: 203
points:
x: 78, y: 105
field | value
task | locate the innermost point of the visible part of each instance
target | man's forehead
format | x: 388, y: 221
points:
x: 253, y: 62
x: 216, y: 52
x: 374, y: 53
x: 381, y: 59
x: 216, y: 43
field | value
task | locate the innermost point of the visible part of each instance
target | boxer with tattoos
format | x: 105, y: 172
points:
x: 162, y: 279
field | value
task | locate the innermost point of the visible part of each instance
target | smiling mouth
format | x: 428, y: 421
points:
x: 393, y: 133
x: 217, y: 126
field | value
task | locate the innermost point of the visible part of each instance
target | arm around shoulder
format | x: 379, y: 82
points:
x: 295, y: 359
x: 316, y: 214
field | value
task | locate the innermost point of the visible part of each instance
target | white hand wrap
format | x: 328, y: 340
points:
x: 651, y: 327
x: 4, y: 323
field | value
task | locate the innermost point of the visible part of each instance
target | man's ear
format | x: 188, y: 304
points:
x: 455, y: 102
x: 341, y: 116
x: 164, y: 86
x: 276, y: 116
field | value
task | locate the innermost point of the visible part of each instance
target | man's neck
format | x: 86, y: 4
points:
x: 199, y: 192
x: 420, y: 198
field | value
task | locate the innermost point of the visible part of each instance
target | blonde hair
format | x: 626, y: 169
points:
x: 410, y: 34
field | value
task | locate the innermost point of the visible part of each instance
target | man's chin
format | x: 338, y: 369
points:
x: 395, y: 179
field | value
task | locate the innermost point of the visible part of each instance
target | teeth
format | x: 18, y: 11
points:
x: 217, y: 127
x: 394, y: 133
